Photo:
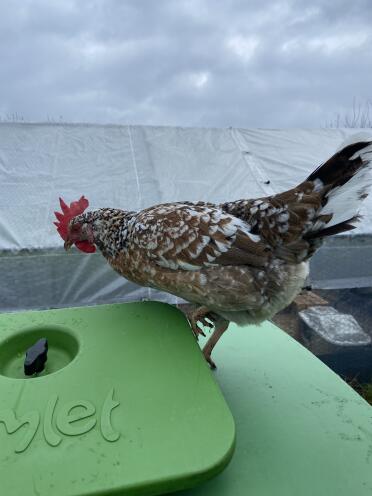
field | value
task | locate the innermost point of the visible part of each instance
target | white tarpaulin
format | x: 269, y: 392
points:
x: 132, y: 167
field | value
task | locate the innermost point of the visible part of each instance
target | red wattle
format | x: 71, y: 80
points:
x: 85, y: 246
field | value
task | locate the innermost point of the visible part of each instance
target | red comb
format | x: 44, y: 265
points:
x: 68, y: 213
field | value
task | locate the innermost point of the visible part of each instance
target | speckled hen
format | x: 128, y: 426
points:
x: 240, y: 261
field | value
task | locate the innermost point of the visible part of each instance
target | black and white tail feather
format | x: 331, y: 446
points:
x: 347, y: 179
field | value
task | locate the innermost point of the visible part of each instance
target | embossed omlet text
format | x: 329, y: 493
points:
x: 73, y: 418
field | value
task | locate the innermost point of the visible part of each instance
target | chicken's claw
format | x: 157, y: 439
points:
x: 199, y: 316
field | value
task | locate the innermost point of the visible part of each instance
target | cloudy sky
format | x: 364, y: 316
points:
x: 246, y: 63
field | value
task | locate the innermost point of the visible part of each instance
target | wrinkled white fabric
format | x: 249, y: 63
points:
x: 129, y: 167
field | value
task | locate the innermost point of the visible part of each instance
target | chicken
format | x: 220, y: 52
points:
x: 240, y: 261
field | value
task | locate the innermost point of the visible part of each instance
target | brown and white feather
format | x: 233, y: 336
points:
x: 246, y: 259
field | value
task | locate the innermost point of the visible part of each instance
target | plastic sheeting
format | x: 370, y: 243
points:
x: 132, y: 167
x: 334, y: 327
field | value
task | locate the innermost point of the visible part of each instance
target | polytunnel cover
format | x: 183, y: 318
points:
x: 133, y: 167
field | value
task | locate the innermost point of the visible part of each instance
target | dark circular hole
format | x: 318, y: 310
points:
x: 63, y: 347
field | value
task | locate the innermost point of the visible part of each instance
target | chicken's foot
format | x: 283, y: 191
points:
x: 200, y: 315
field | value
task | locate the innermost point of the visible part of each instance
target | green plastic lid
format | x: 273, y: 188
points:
x: 125, y: 405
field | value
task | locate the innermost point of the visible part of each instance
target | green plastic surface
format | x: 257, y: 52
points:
x: 300, y: 430
x: 126, y: 405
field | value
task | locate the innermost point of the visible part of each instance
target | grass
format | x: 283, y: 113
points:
x: 363, y: 389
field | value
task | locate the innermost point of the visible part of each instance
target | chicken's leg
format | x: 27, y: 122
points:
x: 221, y: 326
x: 200, y: 314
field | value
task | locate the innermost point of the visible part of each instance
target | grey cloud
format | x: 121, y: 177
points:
x: 238, y: 63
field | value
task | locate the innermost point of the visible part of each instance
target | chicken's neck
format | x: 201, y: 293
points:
x: 110, y: 230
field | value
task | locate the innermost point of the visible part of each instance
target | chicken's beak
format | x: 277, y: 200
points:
x: 68, y: 244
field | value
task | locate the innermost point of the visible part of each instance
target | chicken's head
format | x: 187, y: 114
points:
x: 72, y: 227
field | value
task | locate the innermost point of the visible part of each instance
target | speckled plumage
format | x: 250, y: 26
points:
x: 243, y: 260
x: 197, y: 252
